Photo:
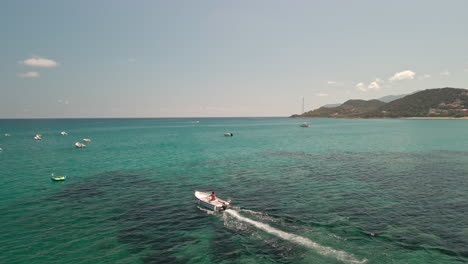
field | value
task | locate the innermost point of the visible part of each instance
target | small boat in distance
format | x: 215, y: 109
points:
x: 63, y: 133
x: 38, y: 137
x: 57, y: 178
x: 7, y: 135
x: 203, y: 199
x: 86, y: 140
x: 80, y: 145
x: 228, y: 134
x: 305, y: 124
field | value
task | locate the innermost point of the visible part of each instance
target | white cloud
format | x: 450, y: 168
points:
x: 404, y: 75
x: 36, y: 61
x: 445, y: 73
x: 28, y: 74
x: 63, y: 101
x: 361, y: 86
x: 378, y: 80
x: 321, y: 94
x: 331, y: 82
x: 373, y: 86
x: 425, y: 76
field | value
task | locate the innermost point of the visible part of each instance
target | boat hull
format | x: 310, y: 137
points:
x: 203, y: 199
x: 58, y: 178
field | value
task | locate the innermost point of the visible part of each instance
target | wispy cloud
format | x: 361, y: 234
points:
x: 465, y: 70
x: 321, y: 94
x: 28, y: 75
x: 37, y: 61
x: 425, y: 76
x: 373, y: 86
x: 361, y: 86
x: 331, y: 82
x: 445, y: 73
x: 404, y: 75
x: 63, y: 101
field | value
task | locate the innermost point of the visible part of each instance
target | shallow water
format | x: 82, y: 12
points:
x: 341, y: 191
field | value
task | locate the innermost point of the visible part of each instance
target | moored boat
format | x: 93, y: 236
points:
x: 7, y: 135
x: 80, y: 145
x: 37, y: 137
x: 228, y: 134
x: 305, y: 124
x: 63, y: 133
x: 57, y: 178
x: 204, y: 200
x: 86, y: 140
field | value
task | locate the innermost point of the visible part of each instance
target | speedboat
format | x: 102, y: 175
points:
x: 63, y: 133
x: 57, y: 178
x: 305, y: 124
x: 80, y: 145
x: 38, y: 137
x: 203, y: 199
x: 86, y: 140
x: 7, y: 135
x: 228, y: 134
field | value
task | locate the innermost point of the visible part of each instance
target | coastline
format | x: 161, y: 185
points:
x: 411, y: 118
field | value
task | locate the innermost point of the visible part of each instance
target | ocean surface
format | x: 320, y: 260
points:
x: 340, y: 191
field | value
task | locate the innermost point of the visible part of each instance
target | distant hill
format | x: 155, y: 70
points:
x: 432, y: 102
x: 441, y: 102
x: 389, y: 98
x: 385, y: 99
x: 331, y: 105
x: 350, y: 108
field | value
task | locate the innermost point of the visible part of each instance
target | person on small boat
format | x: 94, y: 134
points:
x: 212, y: 197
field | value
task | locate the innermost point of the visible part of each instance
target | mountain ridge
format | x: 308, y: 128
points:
x: 436, y: 102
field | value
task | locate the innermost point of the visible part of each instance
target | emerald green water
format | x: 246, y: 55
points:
x: 340, y: 191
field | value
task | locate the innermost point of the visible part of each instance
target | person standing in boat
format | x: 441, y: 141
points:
x: 212, y: 196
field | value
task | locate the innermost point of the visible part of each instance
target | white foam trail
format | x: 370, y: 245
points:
x: 323, y: 250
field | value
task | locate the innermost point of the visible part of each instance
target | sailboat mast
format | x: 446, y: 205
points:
x: 303, y: 105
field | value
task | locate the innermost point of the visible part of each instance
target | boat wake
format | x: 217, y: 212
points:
x: 299, y: 240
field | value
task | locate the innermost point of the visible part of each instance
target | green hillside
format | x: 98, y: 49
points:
x: 428, y: 103
x: 350, y: 108
x: 441, y: 102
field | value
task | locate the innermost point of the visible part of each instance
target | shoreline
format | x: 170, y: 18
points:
x: 410, y: 118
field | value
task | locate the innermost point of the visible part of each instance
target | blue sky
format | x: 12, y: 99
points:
x: 222, y: 58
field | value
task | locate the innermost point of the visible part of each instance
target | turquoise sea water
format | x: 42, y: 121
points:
x: 341, y: 191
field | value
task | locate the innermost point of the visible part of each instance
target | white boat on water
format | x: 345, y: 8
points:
x: 38, y: 137
x: 7, y: 135
x: 80, y: 145
x: 228, y: 134
x: 86, y: 140
x: 305, y: 124
x: 204, y: 200
x: 63, y: 133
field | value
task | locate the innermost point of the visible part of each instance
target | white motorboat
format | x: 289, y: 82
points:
x: 86, y: 140
x: 204, y: 199
x: 7, y: 135
x: 80, y: 145
x: 228, y: 134
x: 38, y: 137
x: 63, y: 133
x: 305, y: 124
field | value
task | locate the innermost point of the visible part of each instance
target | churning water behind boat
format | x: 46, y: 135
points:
x: 299, y: 240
